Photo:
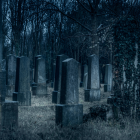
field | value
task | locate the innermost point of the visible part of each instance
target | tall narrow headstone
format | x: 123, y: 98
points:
x: 22, y: 85
x: 92, y: 93
x: 8, y: 109
x: 79, y: 74
x: 36, y: 68
x: 57, y: 83
x: 85, y: 80
x: 84, y: 70
x: 10, y: 74
x: 10, y: 114
x: 69, y: 112
x: 41, y: 77
x: 53, y: 75
x: 31, y: 76
x: 108, y: 78
x: 3, y: 64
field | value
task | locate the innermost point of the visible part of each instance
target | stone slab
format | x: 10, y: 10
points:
x: 10, y: 114
x: 9, y: 90
x: 69, y: 115
x: 85, y: 80
x: 41, y: 89
x: 69, y: 93
x: 92, y: 95
x: 56, y: 97
x: 24, y: 99
x: 107, y: 88
x: 93, y: 72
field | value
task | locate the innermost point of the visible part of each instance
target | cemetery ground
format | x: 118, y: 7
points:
x: 37, y: 122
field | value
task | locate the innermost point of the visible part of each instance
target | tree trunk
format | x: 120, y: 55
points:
x: 95, y: 45
x: 1, y: 45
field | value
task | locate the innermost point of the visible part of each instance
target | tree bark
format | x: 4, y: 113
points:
x: 1, y: 44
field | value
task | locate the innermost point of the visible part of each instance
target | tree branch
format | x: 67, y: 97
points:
x: 84, y: 6
x: 58, y: 10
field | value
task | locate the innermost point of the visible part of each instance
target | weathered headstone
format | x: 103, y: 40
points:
x: 85, y: 80
x: 31, y: 76
x: 8, y: 109
x: 10, y: 74
x: 3, y: 64
x: 69, y: 112
x: 92, y: 93
x: 53, y: 75
x: 57, y: 83
x: 22, y: 85
x: 2, y: 85
x: 10, y: 114
x: 36, y: 68
x: 79, y: 74
x: 41, y: 77
x: 34, y: 88
x: 108, y: 78
x: 84, y: 69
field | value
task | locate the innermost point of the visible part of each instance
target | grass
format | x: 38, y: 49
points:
x: 38, y: 123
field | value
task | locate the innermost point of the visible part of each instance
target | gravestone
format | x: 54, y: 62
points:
x: 53, y: 75
x: 39, y: 86
x: 92, y: 93
x: 69, y: 112
x: 108, y: 78
x: 10, y: 114
x: 41, y: 77
x: 10, y: 74
x: 22, y: 86
x: 79, y: 74
x: 3, y: 64
x: 84, y: 69
x: 2, y: 85
x: 36, y: 68
x: 8, y: 109
x: 31, y: 76
x: 57, y: 82
x: 85, y: 80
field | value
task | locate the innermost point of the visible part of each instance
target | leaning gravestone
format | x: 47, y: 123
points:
x: 57, y: 83
x: 22, y: 87
x: 8, y: 109
x: 92, y: 93
x: 69, y: 112
x: 108, y: 78
x: 10, y: 74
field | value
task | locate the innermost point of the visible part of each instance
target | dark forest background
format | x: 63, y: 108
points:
x: 77, y: 28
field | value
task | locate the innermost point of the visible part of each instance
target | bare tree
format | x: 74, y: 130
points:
x: 1, y: 36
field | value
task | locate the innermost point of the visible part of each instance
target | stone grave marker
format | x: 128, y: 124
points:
x: 69, y: 112
x: 84, y: 70
x: 108, y: 78
x: 85, y: 80
x: 10, y: 74
x: 57, y: 83
x: 22, y: 86
x: 92, y: 93
x: 8, y: 109
x: 39, y: 87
